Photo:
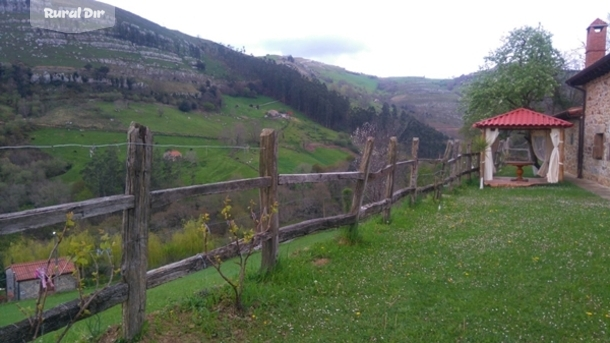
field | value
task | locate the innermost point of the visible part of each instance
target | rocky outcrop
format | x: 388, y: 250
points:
x: 134, y: 48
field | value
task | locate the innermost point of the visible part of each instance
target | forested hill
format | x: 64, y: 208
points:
x: 153, y: 63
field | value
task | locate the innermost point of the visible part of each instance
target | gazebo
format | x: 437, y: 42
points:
x: 548, y: 130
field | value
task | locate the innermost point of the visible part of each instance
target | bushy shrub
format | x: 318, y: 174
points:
x: 185, y: 106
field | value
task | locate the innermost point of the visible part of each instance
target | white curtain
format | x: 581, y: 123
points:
x: 539, y: 138
x: 490, y: 138
x: 553, y: 174
x: 544, y: 144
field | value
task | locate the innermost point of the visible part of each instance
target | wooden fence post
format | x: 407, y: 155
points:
x: 268, y: 199
x: 469, y: 160
x: 440, y: 181
x: 414, y: 169
x: 389, y: 184
x: 135, y: 228
x: 456, y: 163
x: 361, y: 185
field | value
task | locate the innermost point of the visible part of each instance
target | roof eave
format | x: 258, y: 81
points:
x: 526, y: 127
x: 590, y: 73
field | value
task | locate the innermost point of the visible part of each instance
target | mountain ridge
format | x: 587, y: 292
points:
x: 141, y: 56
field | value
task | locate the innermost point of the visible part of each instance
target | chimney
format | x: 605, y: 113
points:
x: 596, y: 42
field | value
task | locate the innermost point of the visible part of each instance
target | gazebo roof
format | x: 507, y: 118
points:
x: 522, y: 119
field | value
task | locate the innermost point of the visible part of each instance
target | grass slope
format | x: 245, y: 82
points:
x: 98, y: 123
x: 485, y: 266
x: 157, y: 298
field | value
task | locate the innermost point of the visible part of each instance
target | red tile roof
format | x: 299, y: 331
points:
x: 27, y: 271
x: 522, y: 118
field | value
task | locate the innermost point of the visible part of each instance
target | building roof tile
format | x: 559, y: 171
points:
x: 522, y: 118
x: 27, y: 271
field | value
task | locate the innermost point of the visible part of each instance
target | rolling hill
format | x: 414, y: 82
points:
x: 432, y: 101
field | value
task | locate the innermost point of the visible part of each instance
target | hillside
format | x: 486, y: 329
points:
x: 431, y: 101
x: 139, y: 57
x: 85, y: 89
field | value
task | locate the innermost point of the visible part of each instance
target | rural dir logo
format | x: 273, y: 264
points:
x: 71, y: 16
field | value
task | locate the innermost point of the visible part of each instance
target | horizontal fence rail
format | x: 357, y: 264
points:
x: 167, y: 196
x: 46, y: 216
x: 288, y: 179
x: 453, y: 164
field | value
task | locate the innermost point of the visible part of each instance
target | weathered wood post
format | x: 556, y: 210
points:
x: 460, y: 163
x: 361, y: 186
x: 135, y: 228
x: 440, y: 181
x: 414, y: 169
x: 389, y: 184
x: 455, y: 169
x: 268, y: 199
x: 469, y: 160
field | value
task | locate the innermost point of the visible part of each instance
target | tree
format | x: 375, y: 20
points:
x: 185, y: 106
x: 521, y: 73
x: 384, y: 116
x: 104, y: 174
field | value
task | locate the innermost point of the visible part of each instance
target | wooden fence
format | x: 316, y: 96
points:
x: 138, y: 201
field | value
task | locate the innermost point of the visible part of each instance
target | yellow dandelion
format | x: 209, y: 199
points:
x: 357, y: 314
x: 589, y: 314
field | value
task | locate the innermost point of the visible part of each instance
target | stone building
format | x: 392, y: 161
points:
x: 570, y: 147
x: 24, y: 280
x: 588, y: 141
x: 172, y: 155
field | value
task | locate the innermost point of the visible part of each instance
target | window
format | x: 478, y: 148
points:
x: 598, y: 146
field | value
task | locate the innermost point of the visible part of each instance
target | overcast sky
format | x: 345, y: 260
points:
x: 435, y: 39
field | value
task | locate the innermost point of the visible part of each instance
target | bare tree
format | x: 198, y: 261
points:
x: 239, y: 132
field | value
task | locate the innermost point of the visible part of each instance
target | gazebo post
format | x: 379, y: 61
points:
x: 561, y: 153
x: 482, y: 163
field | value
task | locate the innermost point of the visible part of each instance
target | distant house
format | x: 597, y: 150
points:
x: 277, y: 114
x: 588, y: 141
x: 172, y: 155
x: 272, y: 114
x: 27, y: 280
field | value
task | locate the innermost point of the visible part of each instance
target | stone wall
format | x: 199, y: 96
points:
x: 570, y: 149
x: 597, y: 121
x: 29, y: 289
x: 65, y: 283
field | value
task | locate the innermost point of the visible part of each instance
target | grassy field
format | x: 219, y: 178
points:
x: 495, y: 265
x: 100, y: 123
x: 486, y: 265
x: 157, y: 298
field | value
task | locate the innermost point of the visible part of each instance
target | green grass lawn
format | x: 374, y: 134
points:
x: 157, y: 298
x: 507, y: 170
x: 492, y: 265
x: 526, y: 264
